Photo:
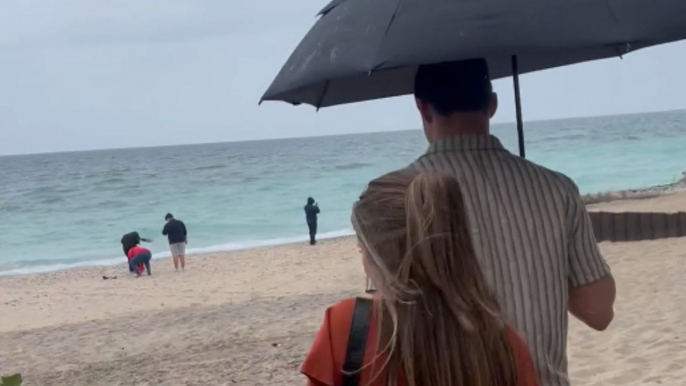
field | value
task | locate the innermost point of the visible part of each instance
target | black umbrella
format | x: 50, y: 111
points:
x: 368, y: 49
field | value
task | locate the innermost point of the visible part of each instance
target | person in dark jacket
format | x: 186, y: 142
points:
x: 131, y: 240
x: 175, y: 230
x: 311, y: 212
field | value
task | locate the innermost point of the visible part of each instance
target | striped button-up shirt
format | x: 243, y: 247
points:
x: 532, y: 236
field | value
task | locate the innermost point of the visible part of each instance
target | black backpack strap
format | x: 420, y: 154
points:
x: 357, y: 341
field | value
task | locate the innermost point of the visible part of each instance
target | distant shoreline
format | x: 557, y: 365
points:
x: 637, y: 194
x: 192, y: 252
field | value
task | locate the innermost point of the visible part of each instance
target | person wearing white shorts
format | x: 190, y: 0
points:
x: 178, y: 251
x: 176, y: 232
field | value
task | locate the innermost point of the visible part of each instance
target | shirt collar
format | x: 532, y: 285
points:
x: 465, y: 143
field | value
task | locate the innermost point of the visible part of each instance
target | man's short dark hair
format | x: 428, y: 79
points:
x: 454, y: 87
x: 169, y: 216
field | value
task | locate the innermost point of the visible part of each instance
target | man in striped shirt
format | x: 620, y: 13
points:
x: 531, y: 231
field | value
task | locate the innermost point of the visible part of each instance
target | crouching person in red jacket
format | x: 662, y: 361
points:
x: 139, y: 257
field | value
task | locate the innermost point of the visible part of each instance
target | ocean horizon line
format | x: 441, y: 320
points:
x: 333, y: 135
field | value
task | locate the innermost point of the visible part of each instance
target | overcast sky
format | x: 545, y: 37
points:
x: 89, y: 74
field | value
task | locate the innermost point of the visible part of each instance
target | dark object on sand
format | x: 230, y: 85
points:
x: 311, y: 212
x: 368, y: 49
x: 634, y: 226
x: 109, y: 278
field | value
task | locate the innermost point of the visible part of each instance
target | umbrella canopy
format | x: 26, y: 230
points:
x: 368, y: 49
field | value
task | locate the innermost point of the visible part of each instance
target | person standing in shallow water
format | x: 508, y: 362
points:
x: 311, y: 212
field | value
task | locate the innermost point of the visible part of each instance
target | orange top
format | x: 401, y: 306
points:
x: 325, y: 360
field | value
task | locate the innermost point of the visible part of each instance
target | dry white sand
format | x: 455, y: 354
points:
x: 646, y: 344
x: 247, y: 318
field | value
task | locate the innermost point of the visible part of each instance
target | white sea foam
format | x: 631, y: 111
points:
x: 232, y: 246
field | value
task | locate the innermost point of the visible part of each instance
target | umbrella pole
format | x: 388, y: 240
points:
x: 518, y: 106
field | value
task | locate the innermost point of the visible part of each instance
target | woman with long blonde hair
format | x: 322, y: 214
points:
x: 434, y: 320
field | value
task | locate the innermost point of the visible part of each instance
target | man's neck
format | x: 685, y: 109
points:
x: 452, y: 131
x: 462, y: 124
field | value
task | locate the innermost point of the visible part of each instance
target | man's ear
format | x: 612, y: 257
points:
x: 493, y: 108
x: 425, y: 110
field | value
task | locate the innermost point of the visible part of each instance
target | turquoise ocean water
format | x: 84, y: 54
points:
x: 70, y: 209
